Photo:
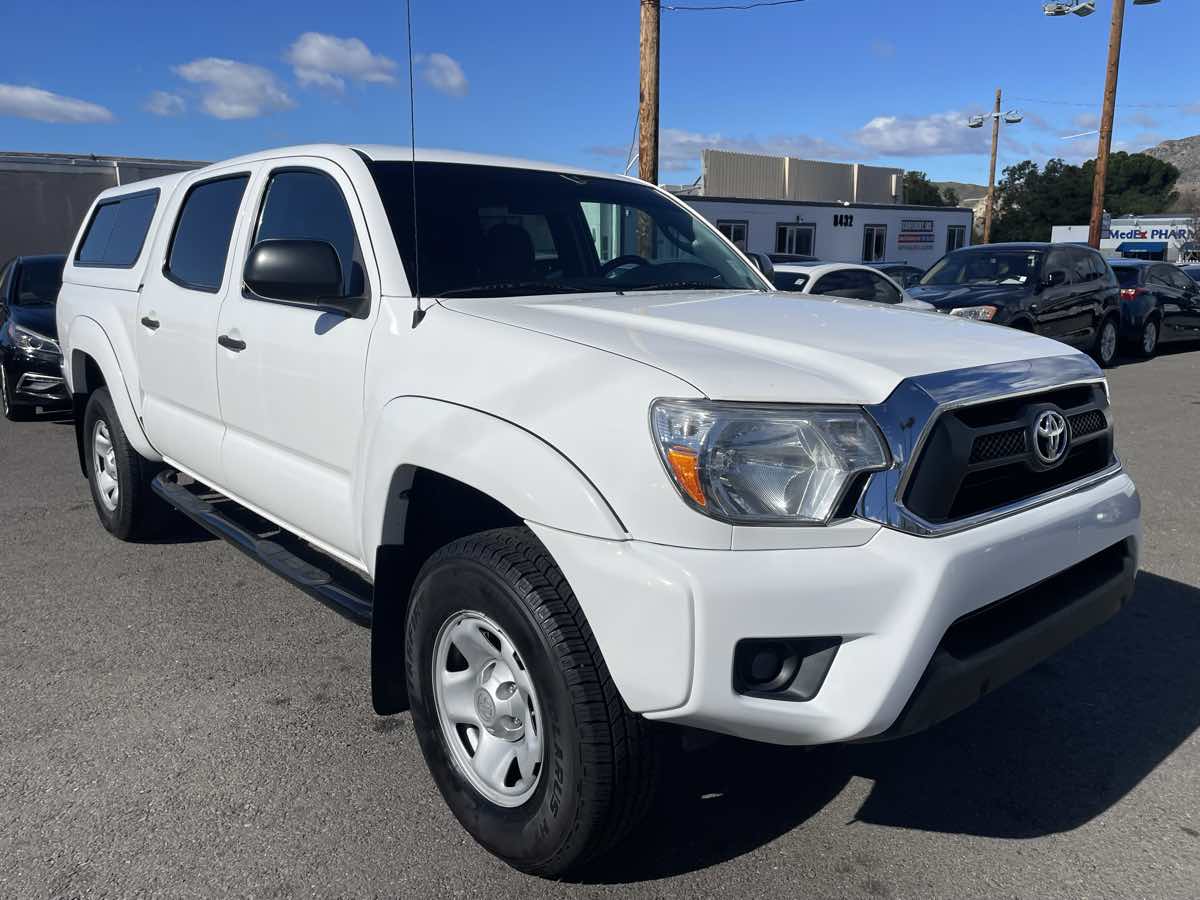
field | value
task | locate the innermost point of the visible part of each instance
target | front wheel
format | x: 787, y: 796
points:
x: 1107, y: 341
x: 517, y: 716
x: 119, y: 476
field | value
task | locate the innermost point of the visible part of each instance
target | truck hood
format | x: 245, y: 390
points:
x: 954, y: 296
x: 767, y: 347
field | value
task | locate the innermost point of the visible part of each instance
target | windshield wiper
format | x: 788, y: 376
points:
x: 532, y: 287
x: 680, y: 286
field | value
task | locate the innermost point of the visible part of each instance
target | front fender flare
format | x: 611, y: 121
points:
x: 85, y: 337
x: 511, y: 465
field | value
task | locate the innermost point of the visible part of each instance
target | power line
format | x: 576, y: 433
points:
x: 731, y: 6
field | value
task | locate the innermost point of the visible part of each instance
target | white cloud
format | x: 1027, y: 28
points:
x: 1086, y: 121
x: 1144, y: 120
x: 940, y: 134
x: 44, y: 106
x: 679, y: 149
x: 164, y: 103
x: 235, y: 90
x: 322, y: 60
x: 443, y: 73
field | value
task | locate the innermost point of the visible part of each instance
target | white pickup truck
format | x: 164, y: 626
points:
x: 580, y: 467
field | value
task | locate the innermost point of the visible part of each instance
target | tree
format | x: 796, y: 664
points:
x: 920, y: 191
x: 950, y: 197
x: 1031, y: 200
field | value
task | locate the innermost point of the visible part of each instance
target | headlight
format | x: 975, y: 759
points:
x: 979, y: 313
x: 33, y: 343
x: 780, y: 465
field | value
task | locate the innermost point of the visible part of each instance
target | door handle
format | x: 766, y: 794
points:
x: 229, y: 343
x: 150, y: 323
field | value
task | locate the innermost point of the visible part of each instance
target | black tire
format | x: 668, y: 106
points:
x: 1140, y: 346
x: 600, y: 760
x: 1106, y: 347
x: 13, y: 411
x: 139, y: 514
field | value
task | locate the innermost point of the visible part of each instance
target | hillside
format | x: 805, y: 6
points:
x: 1183, y: 154
x: 964, y: 189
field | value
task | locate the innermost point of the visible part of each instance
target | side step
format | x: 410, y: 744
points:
x: 342, y: 590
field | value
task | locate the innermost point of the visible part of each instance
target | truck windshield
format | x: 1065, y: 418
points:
x: 493, y: 231
x: 986, y: 267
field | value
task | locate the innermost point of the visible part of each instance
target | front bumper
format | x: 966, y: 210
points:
x: 667, y: 619
x: 36, y: 381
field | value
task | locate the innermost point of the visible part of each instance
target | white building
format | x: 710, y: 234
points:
x: 1166, y: 237
x: 838, y: 212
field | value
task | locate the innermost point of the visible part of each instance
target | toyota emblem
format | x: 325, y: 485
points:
x: 1050, y: 437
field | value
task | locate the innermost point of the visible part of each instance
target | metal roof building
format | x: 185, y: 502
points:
x: 44, y: 196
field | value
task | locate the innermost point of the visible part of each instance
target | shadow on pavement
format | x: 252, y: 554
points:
x: 1045, y: 754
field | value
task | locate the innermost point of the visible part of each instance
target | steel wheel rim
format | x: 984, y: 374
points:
x: 1108, y: 341
x: 487, y: 708
x: 1149, y: 337
x: 104, y: 465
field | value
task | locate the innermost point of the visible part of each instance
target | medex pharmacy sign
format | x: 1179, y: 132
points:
x: 1160, y: 233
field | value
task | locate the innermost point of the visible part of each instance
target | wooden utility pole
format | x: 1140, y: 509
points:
x: 648, y: 96
x: 1106, y: 121
x: 991, y: 197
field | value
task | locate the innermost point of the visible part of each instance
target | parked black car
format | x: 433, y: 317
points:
x: 1158, y: 303
x: 30, y: 358
x: 1063, y: 291
x: 1191, y: 271
x: 902, y: 273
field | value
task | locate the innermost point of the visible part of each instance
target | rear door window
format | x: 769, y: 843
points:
x: 117, y: 231
x: 200, y: 244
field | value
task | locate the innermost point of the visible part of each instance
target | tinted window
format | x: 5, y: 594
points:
x: 838, y: 284
x: 38, y: 281
x: 1160, y: 275
x: 200, y: 244
x: 1192, y: 272
x: 310, y: 206
x: 1061, y: 261
x: 1128, y: 276
x: 883, y: 291
x: 1083, y: 268
x: 1178, y: 280
x: 790, y: 281
x: 488, y: 231
x: 117, y: 231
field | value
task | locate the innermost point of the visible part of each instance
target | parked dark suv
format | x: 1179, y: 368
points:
x: 1158, y: 303
x: 1063, y: 291
x: 30, y: 359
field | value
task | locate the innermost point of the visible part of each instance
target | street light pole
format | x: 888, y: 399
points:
x: 991, y: 194
x: 1106, y: 121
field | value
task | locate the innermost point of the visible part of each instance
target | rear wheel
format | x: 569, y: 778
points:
x: 12, y: 411
x: 1107, y: 341
x: 119, y: 476
x: 517, y: 716
x: 1148, y: 345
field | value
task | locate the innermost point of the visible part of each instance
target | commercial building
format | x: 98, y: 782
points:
x: 1166, y: 237
x: 44, y: 196
x: 839, y: 212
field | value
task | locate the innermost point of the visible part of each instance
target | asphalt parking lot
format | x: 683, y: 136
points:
x: 177, y: 721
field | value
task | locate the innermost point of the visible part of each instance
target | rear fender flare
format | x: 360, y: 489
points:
x: 85, y: 338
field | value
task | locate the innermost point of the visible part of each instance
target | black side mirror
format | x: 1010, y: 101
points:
x: 1055, y: 279
x: 763, y: 262
x: 308, y: 273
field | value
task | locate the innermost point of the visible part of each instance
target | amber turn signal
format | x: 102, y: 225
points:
x: 685, y: 465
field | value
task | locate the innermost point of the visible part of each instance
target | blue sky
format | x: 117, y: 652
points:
x: 881, y: 81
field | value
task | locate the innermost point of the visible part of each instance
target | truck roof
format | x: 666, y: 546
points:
x: 399, y: 153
